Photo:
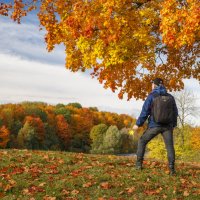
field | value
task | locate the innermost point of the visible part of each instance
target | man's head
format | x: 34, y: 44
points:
x: 157, y: 82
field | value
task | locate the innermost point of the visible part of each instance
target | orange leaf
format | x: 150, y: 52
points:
x: 49, y: 198
x: 86, y: 185
x: 105, y: 185
x: 130, y: 190
x: 1, y: 195
x: 186, y: 193
x: 74, y: 192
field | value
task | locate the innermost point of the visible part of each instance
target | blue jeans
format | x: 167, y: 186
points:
x: 149, y: 134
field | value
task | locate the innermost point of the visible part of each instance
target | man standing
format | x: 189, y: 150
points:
x: 161, y: 110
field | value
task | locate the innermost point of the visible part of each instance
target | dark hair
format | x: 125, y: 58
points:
x: 158, y: 81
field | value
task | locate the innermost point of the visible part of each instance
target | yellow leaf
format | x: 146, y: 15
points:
x: 131, y: 132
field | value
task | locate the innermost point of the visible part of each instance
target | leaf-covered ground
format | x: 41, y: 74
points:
x: 48, y: 175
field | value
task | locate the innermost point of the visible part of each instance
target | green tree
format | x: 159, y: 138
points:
x: 31, y: 135
x: 60, y: 105
x: 26, y: 136
x: 63, y: 111
x: 96, y: 135
x: 35, y: 110
x: 51, y: 141
x: 76, y: 105
x: 112, y: 140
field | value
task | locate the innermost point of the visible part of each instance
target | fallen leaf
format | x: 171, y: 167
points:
x: 152, y: 192
x: 42, y: 184
x: 49, y: 198
x: 25, y: 191
x: 74, y: 192
x: 131, y: 190
x: 86, y: 185
x: 65, y: 192
x: 194, y: 183
x: 9, y: 186
x: 164, y: 196
x: 183, y: 180
x: 1, y: 195
x: 61, y: 161
x: 105, y: 185
x: 186, y: 193
x: 90, y: 177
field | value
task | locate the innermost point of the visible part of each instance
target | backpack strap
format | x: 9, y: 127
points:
x: 155, y: 94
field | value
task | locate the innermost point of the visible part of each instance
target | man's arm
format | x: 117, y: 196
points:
x: 146, y: 111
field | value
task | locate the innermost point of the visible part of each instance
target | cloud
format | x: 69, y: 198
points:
x: 22, y: 80
x: 25, y: 40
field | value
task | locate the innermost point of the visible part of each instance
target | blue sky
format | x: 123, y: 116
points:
x: 29, y: 72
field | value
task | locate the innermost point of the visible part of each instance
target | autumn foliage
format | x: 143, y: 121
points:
x: 4, y: 136
x: 195, y: 139
x: 125, y: 43
x: 63, y: 130
x: 188, y: 151
x: 36, y: 125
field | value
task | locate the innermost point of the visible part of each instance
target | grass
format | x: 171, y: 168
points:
x: 47, y: 175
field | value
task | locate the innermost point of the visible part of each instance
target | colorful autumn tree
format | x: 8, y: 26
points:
x: 7, y: 115
x: 38, y: 125
x: 195, y: 139
x: 63, y: 131
x: 4, y: 136
x: 26, y: 137
x: 125, y: 43
x: 35, y: 109
x: 189, y: 151
x: 81, y: 124
x: 51, y: 138
x: 32, y: 134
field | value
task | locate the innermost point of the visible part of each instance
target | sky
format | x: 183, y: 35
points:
x: 29, y: 73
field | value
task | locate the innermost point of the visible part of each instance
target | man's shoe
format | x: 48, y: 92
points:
x: 172, y: 171
x: 138, y: 165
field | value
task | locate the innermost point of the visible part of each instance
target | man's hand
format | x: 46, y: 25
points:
x: 135, y: 127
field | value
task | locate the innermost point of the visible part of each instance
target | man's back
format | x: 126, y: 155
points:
x: 147, y: 109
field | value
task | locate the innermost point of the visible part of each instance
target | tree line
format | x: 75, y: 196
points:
x: 37, y: 125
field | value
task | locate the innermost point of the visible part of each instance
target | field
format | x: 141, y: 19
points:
x: 48, y: 175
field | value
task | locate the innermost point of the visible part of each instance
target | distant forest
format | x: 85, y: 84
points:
x: 38, y: 125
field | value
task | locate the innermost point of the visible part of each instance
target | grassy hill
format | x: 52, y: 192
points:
x: 47, y: 175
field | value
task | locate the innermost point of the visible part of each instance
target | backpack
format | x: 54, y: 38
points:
x: 163, y: 109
